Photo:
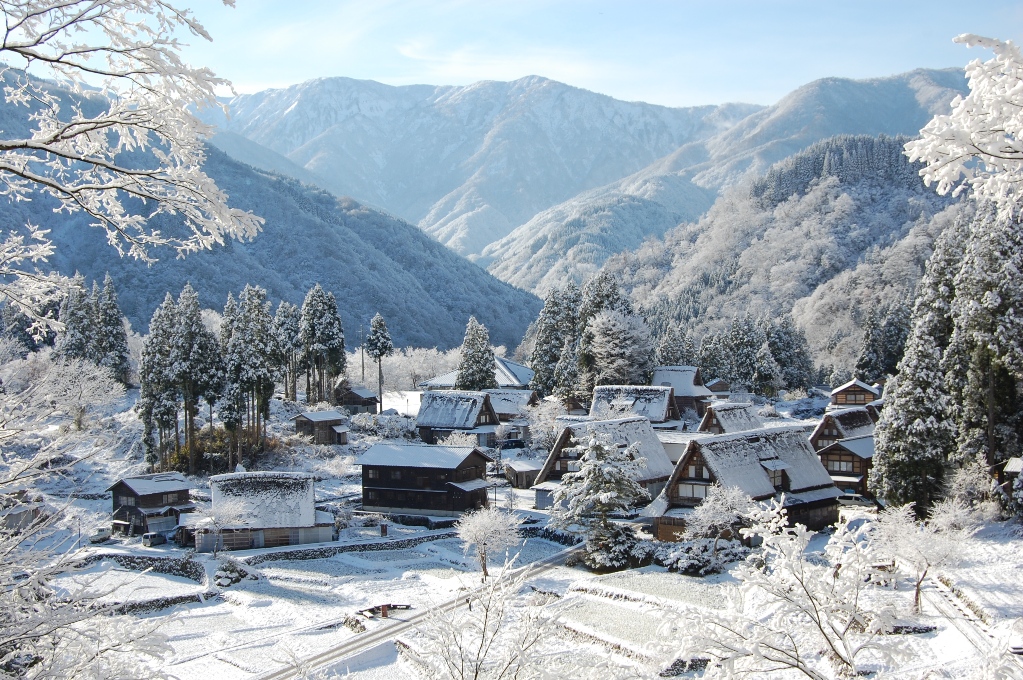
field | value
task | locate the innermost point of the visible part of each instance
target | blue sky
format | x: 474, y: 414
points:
x: 676, y: 53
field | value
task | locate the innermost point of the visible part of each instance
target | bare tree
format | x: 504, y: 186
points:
x: 489, y: 530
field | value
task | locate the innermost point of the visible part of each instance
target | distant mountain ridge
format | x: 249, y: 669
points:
x: 467, y: 164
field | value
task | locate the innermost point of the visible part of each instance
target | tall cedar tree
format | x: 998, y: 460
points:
x: 288, y: 328
x: 791, y: 350
x: 323, y: 338
x: 476, y: 369
x: 379, y: 345
x: 76, y: 315
x: 110, y: 340
x: 671, y: 349
x: 158, y: 391
x: 548, y: 344
x: 600, y: 294
x: 252, y: 358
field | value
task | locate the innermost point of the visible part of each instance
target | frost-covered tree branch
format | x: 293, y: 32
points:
x: 111, y: 131
x: 490, y: 531
x: 980, y: 144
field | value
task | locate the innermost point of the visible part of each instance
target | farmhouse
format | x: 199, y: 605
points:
x: 510, y: 376
x: 724, y: 417
x: 571, y: 443
x: 656, y: 404
x: 259, y: 510
x: 676, y: 441
x: 511, y: 406
x: 146, y: 503
x: 325, y: 427
x: 442, y: 412
x: 844, y: 423
x: 720, y: 387
x: 687, y: 383
x: 853, y: 393
x: 848, y: 461
x: 424, y: 479
x: 355, y: 398
x: 764, y: 463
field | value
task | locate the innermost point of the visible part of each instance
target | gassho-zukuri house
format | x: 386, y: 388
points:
x: 510, y: 376
x: 149, y: 503
x: 655, y: 403
x: 571, y: 443
x: 258, y: 510
x: 421, y: 479
x: 445, y: 411
x: 764, y: 463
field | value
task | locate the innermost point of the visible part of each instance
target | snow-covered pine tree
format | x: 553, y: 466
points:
x: 915, y: 435
x: 110, y: 340
x: 158, y: 394
x: 476, y: 365
x: 767, y: 375
x: 671, y: 350
x: 76, y: 315
x: 378, y: 346
x: 791, y: 350
x: 689, y: 356
x: 252, y: 359
x: 870, y: 362
x: 714, y: 357
x: 323, y: 337
x: 548, y: 344
x: 566, y: 376
x: 621, y: 348
x: 288, y: 328
x: 894, y: 332
x: 601, y: 293
x: 196, y: 363
x: 744, y: 341
x: 605, y: 484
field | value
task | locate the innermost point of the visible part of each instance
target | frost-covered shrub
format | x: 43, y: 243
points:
x: 232, y: 571
x: 610, y: 548
x: 695, y: 557
x: 388, y: 427
x: 768, y: 411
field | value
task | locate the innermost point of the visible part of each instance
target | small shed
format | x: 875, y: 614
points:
x: 522, y: 473
x: 320, y: 426
x: 1009, y: 472
x: 687, y: 383
x: 356, y: 398
x: 720, y: 387
x: 147, y: 503
x: 729, y: 417
x: 545, y: 494
x: 19, y: 510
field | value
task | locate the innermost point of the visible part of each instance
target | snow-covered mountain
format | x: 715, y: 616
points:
x: 467, y: 164
x: 371, y: 261
x: 572, y: 240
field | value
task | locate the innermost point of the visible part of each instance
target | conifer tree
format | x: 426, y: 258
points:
x: 476, y: 369
x: 915, y: 435
x: 323, y: 338
x: 252, y: 359
x: 566, y: 376
x: 767, y: 375
x: 744, y: 341
x: 378, y: 346
x: 110, y: 341
x: 714, y: 357
x: 288, y: 328
x: 600, y: 294
x: 547, y: 347
x: 76, y: 315
x: 158, y: 391
x: 621, y: 349
x: 870, y: 364
x: 671, y: 350
x: 689, y: 356
x: 791, y: 350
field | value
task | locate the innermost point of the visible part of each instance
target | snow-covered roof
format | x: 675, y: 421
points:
x: 340, y: 429
x: 473, y: 484
x: 739, y: 460
x: 731, y: 417
x: 320, y: 416
x: 546, y: 486
x: 160, y: 482
x: 1014, y: 465
x: 363, y: 392
x: 323, y: 518
x: 417, y: 455
x: 685, y: 380
x: 850, y: 422
x: 510, y: 402
x: 509, y: 374
x: 862, y: 446
x: 623, y: 432
x: 264, y: 500
x: 524, y: 465
x: 856, y: 383
x: 812, y: 495
x: 653, y: 403
x: 450, y: 409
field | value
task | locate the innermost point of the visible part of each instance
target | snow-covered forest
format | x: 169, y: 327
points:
x: 765, y: 420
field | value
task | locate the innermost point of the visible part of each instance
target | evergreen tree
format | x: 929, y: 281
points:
x: 915, y: 435
x: 714, y: 358
x: 378, y: 346
x: 566, y: 376
x: 744, y: 340
x: 791, y: 350
x: 600, y: 294
x: 547, y: 347
x: 323, y: 338
x: 476, y: 369
x: 621, y: 349
x: 76, y: 315
x: 767, y: 376
x: 110, y: 340
x: 894, y: 332
x: 252, y: 359
x: 158, y: 391
x: 288, y: 329
x: 671, y: 350
x: 689, y: 356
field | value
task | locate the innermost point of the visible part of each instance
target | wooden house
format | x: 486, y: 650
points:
x: 564, y: 456
x: 853, y: 393
x: 848, y: 461
x: 656, y: 404
x: 843, y: 423
x: 510, y: 376
x: 258, y: 510
x: 442, y: 412
x: 764, y: 464
x: 512, y: 407
x: 725, y: 417
x: 356, y: 398
x: 719, y: 387
x: 423, y: 479
x: 325, y: 427
x: 19, y: 510
x: 676, y: 441
x: 522, y: 473
x: 690, y: 392
x: 147, y: 503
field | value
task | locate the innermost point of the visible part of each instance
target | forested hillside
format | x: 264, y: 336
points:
x: 372, y: 262
x: 827, y: 235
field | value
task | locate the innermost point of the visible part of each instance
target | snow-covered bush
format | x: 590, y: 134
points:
x: 768, y: 411
x: 543, y: 424
x: 697, y: 557
x: 232, y: 571
x: 388, y: 427
x: 610, y: 547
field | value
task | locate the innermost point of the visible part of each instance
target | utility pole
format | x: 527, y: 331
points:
x: 362, y: 353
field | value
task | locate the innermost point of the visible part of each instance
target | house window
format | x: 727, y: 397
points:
x: 395, y: 474
x: 169, y: 498
x: 777, y: 478
x: 692, y: 490
x: 372, y: 474
x: 371, y: 495
x: 126, y: 500
x: 840, y: 466
x: 422, y: 481
x: 572, y: 466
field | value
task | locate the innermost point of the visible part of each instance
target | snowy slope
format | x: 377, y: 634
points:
x: 468, y: 164
x: 572, y: 240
